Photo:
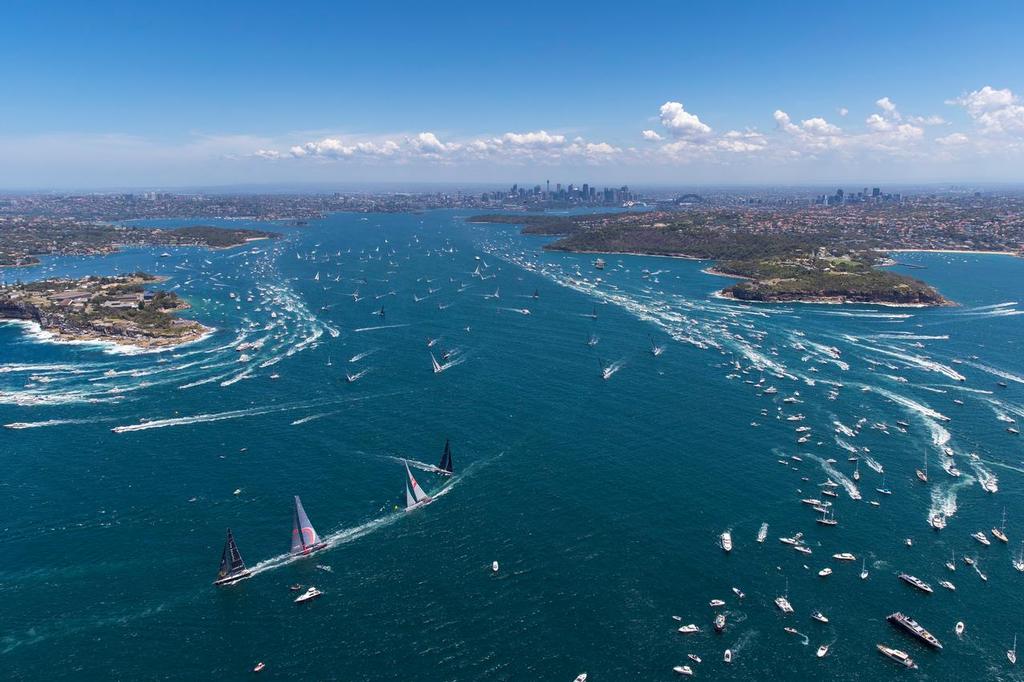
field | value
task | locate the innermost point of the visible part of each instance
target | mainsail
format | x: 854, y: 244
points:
x: 304, y: 537
x: 437, y: 367
x: 414, y: 494
x: 232, y: 567
x: 446, y: 459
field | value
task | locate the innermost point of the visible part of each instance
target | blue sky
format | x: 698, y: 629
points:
x: 121, y: 94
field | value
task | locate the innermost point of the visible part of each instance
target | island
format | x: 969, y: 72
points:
x: 782, y: 266
x: 124, y: 309
x: 24, y: 238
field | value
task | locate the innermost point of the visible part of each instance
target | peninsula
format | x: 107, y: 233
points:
x: 815, y: 267
x: 122, y: 309
x: 24, y: 238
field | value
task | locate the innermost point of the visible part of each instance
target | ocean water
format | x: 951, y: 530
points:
x: 602, y: 499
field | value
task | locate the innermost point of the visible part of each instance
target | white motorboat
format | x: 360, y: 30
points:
x: 311, y: 593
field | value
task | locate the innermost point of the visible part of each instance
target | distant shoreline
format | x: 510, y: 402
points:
x: 968, y: 251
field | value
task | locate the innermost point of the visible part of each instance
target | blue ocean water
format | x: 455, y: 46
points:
x: 602, y: 499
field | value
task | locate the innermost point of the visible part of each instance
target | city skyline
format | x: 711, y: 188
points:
x: 102, y: 97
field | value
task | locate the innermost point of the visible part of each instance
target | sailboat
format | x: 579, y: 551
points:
x: 316, y: 277
x: 232, y: 568
x: 445, y: 467
x: 864, y: 569
x: 923, y: 475
x: 1018, y: 563
x: 304, y: 537
x: 656, y: 350
x: 536, y: 294
x: 1012, y: 653
x: 438, y: 368
x: 856, y: 471
x: 414, y: 495
x: 380, y: 313
x: 1000, y: 533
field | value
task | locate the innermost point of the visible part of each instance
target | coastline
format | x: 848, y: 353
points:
x: 111, y: 344
x: 718, y: 273
x: 976, y: 252
x: 679, y: 256
x: 724, y: 294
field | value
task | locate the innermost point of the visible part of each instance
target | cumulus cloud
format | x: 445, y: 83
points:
x: 681, y: 123
x: 886, y: 105
x: 953, y: 139
x: 681, y: 136
x: 540, y: 138
x: 994, y: 111
x: 739, y: 142
x: 520, y: 147
x: 927, y: 120
x: 819, y: 126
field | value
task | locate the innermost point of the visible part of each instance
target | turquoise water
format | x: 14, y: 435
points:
x: 602, y: 499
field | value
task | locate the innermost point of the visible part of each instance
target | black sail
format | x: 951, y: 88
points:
x: 236, y: 557
x: 446, y: 458
x: 230, y: 559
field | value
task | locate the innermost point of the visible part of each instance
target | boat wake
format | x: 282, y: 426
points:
x: 238, y: 414
x: 383, y: 326
x: 345, y: 535
x: 55, y: 422
x: 312, y: 417
x: 838, y: 477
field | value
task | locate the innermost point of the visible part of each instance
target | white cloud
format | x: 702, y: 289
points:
x: 427, y: 143
x: 739, y: 142
x: 994, y: 111
x: 886, y: 105
x: 927, y: 120
x: 953, y: 139
x: 601, y: 148
x: 540, y: 138
x: 681, y: 123
x: 682, y: 138
x: 819, y: 126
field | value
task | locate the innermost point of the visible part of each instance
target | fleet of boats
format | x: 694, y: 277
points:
x: 305, y: 539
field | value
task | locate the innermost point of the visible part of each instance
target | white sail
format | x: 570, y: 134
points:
x: 414, y: 494
x: 437, y: 367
